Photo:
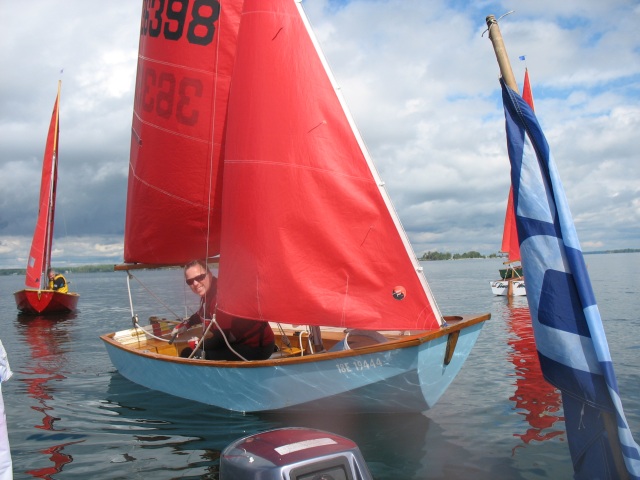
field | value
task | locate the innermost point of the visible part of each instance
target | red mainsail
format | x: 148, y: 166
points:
x: 40, y: 253
x: 309, y: 235
x: 235, y: 153
x: 186, y: 56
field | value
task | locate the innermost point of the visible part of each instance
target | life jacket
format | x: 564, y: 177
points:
x: 56, y: 280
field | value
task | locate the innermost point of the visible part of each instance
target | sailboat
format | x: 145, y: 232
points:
x: 243, y: 153
x: 37, y: 298
x: 511, y: 282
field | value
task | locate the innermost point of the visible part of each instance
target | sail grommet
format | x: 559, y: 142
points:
x: 399, y: 292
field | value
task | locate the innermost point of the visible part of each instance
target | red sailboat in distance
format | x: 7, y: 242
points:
x: 511, y: 281
x: 37, y: 298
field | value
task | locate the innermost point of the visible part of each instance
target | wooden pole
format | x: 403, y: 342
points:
x: 501, y: 53
x: 507, y: 74
x: 608, y: 418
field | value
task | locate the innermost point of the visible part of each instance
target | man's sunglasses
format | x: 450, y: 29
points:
x: 200, y: 278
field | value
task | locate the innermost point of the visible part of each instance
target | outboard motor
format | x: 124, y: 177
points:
x: 293, y: 454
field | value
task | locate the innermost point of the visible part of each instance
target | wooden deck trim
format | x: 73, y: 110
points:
x: 454, y: 324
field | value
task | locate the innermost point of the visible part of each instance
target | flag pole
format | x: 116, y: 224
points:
x: 608, y: 419
x: 501, y: 53
x: 507, y: 74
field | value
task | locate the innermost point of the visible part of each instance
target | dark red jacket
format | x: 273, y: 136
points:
x: 252, y: 333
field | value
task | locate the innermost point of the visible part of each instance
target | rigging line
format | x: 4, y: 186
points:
x: 134, y: 317
x: 284, y: 338
x: 213, y: 320
x: 185, y: 301
x: 146, y: 332
x: 153, y: 295
x: 204, y: 334
x: 496, y: 21
x: 224, y: 337
x: 212, y: 136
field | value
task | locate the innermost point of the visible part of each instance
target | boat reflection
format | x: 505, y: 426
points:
x: 171, y: 435
x: 537, y: 400
x: 49, y: 345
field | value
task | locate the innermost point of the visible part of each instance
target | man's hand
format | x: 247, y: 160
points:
x: 179, y: 329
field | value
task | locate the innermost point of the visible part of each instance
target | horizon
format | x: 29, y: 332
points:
x: 424, y: 94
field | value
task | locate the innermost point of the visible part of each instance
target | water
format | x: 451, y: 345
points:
x: 70, y: 415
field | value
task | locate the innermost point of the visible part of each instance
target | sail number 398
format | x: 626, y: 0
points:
x: 168, y: 18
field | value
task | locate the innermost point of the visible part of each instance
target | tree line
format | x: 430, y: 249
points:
x: 76, y: 269
x: 426, y: 257
x: 430, y: 256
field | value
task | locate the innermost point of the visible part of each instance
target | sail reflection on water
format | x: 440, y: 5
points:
x: 536, y: 399
x: 40, y: 377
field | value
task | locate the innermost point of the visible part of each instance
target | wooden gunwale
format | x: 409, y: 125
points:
x: 46, y: 290
x: 404, y: 341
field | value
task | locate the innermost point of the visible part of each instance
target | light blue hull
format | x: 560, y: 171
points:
x: 400, y: 379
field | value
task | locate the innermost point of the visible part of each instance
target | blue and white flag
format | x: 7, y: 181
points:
x: 570, y: 339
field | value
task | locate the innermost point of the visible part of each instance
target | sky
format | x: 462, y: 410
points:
x: 420, y: 78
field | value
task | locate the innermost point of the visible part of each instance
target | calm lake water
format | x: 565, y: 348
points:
x: 71, y: 415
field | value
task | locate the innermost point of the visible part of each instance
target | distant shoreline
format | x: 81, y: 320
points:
x: 76, y: 269
x: 434, y: 256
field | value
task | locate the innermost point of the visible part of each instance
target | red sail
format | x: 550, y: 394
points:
x: 309, y: 235
x: 40, y: 253
x: 527, y: 94
x: 185, y: 59
x: 510, y: 243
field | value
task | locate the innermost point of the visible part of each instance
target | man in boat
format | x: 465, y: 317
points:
x: 57, y: 282
x: 229, y: 338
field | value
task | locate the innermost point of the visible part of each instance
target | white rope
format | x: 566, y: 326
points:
x: 496, y: 21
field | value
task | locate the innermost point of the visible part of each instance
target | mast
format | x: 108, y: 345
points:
x: 610, y: 420
x: 52, y: 192
x: 501, y: 53
x: 507, y: 74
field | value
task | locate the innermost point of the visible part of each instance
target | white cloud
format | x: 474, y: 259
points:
x: 419, y: 77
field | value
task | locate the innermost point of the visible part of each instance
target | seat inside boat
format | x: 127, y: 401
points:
x: 362, y: 338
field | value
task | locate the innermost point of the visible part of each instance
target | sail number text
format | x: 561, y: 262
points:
x: 171, y: 18
x: 359, y: 365
x: 160, y: 92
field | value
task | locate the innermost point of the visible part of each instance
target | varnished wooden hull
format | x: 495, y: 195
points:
x: 41, y: 302
x: 407, y: 372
